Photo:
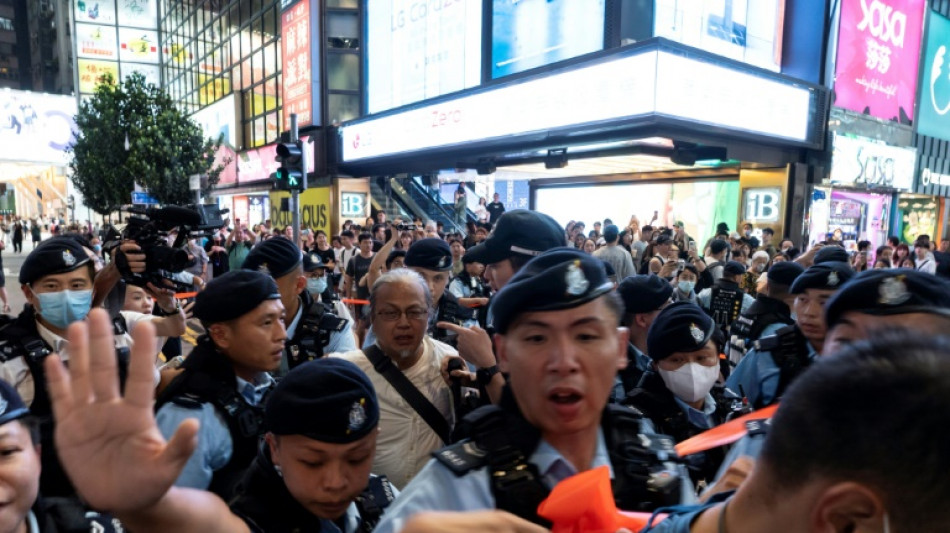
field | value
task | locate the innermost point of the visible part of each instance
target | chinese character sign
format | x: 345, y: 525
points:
x: 934, y: 116
x: 297, y: 63
x: 878, y: 47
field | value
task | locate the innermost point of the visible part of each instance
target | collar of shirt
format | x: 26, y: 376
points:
x: 641, y: 359
x: 254, y: 392
x: 54, y: 341
x: 554, y: 468
x: 812, y: 353
x: 701, y: 419
x: 292, y: 328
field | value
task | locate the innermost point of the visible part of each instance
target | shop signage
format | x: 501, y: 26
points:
x: 420, y: 50
x: 862, y: 162
x: 934, y: 116
x: 878, y: 47
x: 258, y: 164
x: 929, y: 177
x: 761, y: 204
x: 353, y: 204
x: 96, y: 42
x: 314, y: 209
x: 650, y: 82
x: 301, y: 79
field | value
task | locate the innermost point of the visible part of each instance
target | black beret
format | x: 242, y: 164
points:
x: 831, y: 253
x: 561, y: 278
x: 312, y: 261
x: 679, y: 327
x: 329, y: 400
x: 518, y: 232
x: 718, y: 245
x: 785, y: 272
x: 664, y: 239
x: 431, y: 254
x: 890, y: 291
x: 734, y: 268
x: 233, y: 295
x: 826, y: 276
x: 277, y: 256
x: 55, y: 255
x: 644, y: 293
x: 11, y: 405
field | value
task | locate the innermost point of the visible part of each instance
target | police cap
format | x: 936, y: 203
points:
x: 679, y: 327
x: 233, y: 295
x: 329, y: 400
x: 734, y: 268
x: 312, y: 261
x: 55, y: 255
x: 431, y: 254
x: 276, y: 257
x: 824, y: 276
x: 518, y: 232
x: 785, y: 272
x: 718, y: 245
x: 831, y: 254
x: 644, y: 293
x: 11, y: 405
x: 890, y: 291
x: 561, y: 278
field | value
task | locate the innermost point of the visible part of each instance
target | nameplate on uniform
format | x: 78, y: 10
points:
x: 462, y: 457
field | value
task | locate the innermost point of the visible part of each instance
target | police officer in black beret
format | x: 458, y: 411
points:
x: 776, y: 360
x: 226, y: 378
x: 680, y: 393
x: 559, y: 341
x: 725, y: 300
x: 432, y: 259
x: 770, y: 312
x: 311, y: 474
x: 644, y: 296
x: 313, y: 329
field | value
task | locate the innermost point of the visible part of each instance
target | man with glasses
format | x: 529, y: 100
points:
x: 405, y: 365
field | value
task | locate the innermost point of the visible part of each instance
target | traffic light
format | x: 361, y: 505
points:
x: 291, y: 175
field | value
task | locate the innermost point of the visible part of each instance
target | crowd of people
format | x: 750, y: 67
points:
x: 395, y: 378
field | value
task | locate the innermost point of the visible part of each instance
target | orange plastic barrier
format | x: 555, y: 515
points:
x: 727, y: 433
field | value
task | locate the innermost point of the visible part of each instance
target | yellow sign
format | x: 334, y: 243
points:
x: 91, y: 72
x: 314, y: 209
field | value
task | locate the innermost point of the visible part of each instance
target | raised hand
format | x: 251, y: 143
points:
x: 108, y: 444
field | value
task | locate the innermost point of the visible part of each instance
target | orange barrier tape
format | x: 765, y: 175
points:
x: 183, y: 295
x: 354, y: 301
x: 720, y: 435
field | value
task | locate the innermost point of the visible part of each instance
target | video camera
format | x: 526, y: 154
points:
x: 150, y: 228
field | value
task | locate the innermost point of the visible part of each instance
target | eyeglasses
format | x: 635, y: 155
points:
x: 392, y: 315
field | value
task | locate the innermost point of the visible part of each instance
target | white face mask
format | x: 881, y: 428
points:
x: 690, y: 382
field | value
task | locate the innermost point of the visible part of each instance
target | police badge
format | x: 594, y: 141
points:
x: 357, y: 416
x: 697, y: 333
x: 3, y: 405
x: 263, y: 269
x: 576, y: 283
x: 68, y: 258
x: 893, y: 291
x: 443, y: 261
x: 833, y: 279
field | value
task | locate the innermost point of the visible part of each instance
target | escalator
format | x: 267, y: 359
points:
x: 409, y: 198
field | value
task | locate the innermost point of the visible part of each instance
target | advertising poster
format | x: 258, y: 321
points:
x: 531, y: 33
x: 934, y: 116
x: 96, y: 42
x: 36, y: 127
x: 878, y: 47
x: 862, y: 162
x: 96, y: 11
x: 151, y: 73
x: 918, y: 216
x: 138, y: 13
x: 419, y: 50
x: 138, y: 46
x: 297, y: 63
x: 91, y: 72
x: 857, y: 216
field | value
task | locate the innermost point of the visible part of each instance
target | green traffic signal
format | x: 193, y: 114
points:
x: 290, y: 175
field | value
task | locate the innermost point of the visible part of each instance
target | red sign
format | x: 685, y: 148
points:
x: 259, y: 163
x: 297, y: 64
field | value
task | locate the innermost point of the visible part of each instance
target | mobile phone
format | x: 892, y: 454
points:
x: 692, y: 246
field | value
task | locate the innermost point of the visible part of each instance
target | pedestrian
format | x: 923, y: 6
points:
x: 35, y: 234
x: 495, y: 209
x: 18, y: 236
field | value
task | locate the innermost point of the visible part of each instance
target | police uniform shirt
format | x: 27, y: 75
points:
x: 405, y: 440
x: 340, y: 341
x: 643, y: 364
x: 705, y: 296
x: 437, y: 488
x: 214, y: 439
x: 758, y: 376
x: 18, y: 373
x: 680, y: 520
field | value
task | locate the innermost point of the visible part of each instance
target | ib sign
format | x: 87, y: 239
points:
x: 878, y: 46
x: 934, y: 117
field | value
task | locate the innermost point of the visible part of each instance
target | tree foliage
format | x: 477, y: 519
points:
x: 165, y: 147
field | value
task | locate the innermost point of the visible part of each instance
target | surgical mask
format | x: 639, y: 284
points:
x: 690, y: 382
x: 758, y: 268
x: 686, y: 287
x: 317, y: 285
x: 64, y: 307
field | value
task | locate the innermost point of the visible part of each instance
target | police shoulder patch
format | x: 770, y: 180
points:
x: 462, y: 457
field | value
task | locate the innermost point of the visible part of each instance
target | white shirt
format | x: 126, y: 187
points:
x: 405, y: 439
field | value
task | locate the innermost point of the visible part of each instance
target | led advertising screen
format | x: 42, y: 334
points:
x: 418, y: 50
x: 878, y: 47
x: 934, y: 116
x: 531, y: 33
x: 745, y: 30
x: 36, y: 127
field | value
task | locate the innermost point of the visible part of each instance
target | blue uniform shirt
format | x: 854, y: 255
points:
x: 680, y: 518
x: 340, y: 341
x: 757, y: 376
x: 643, y: 363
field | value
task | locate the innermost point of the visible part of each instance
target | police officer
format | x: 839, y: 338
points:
x: 319, y: 287
x: 770, y: 311
x: 644, y: 296
x: 313, y: 330
x: 225, y: 379
x: 559, y: 341
x: 432, y: 259
x: 767, y: 370
x: 312, y: 473
x: 725, y: 300
x: 679, y: 392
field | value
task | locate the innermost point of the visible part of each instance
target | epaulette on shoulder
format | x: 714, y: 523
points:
x: 756, y: 428
x: 462, y: 457
x: 188, y: 401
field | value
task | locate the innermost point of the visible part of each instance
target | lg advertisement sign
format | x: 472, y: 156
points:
x: 934, y: 116
x: 878, y: 47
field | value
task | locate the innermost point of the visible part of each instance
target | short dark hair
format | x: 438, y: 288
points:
x: 833, y: 420
x: 393, y: 255
x: 346, y: 233
x: 770, y: 231
x: 863, y: 245
x: 893, y: 240
x: 365, y: 236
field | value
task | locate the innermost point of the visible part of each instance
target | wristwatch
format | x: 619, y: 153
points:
x: 484, y: 375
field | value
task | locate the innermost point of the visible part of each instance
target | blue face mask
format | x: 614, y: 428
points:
x: 686, y: 286
x: 317, y: 285
x: 64, y: 307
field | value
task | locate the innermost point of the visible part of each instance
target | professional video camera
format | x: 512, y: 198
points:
x: 150, y: 228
